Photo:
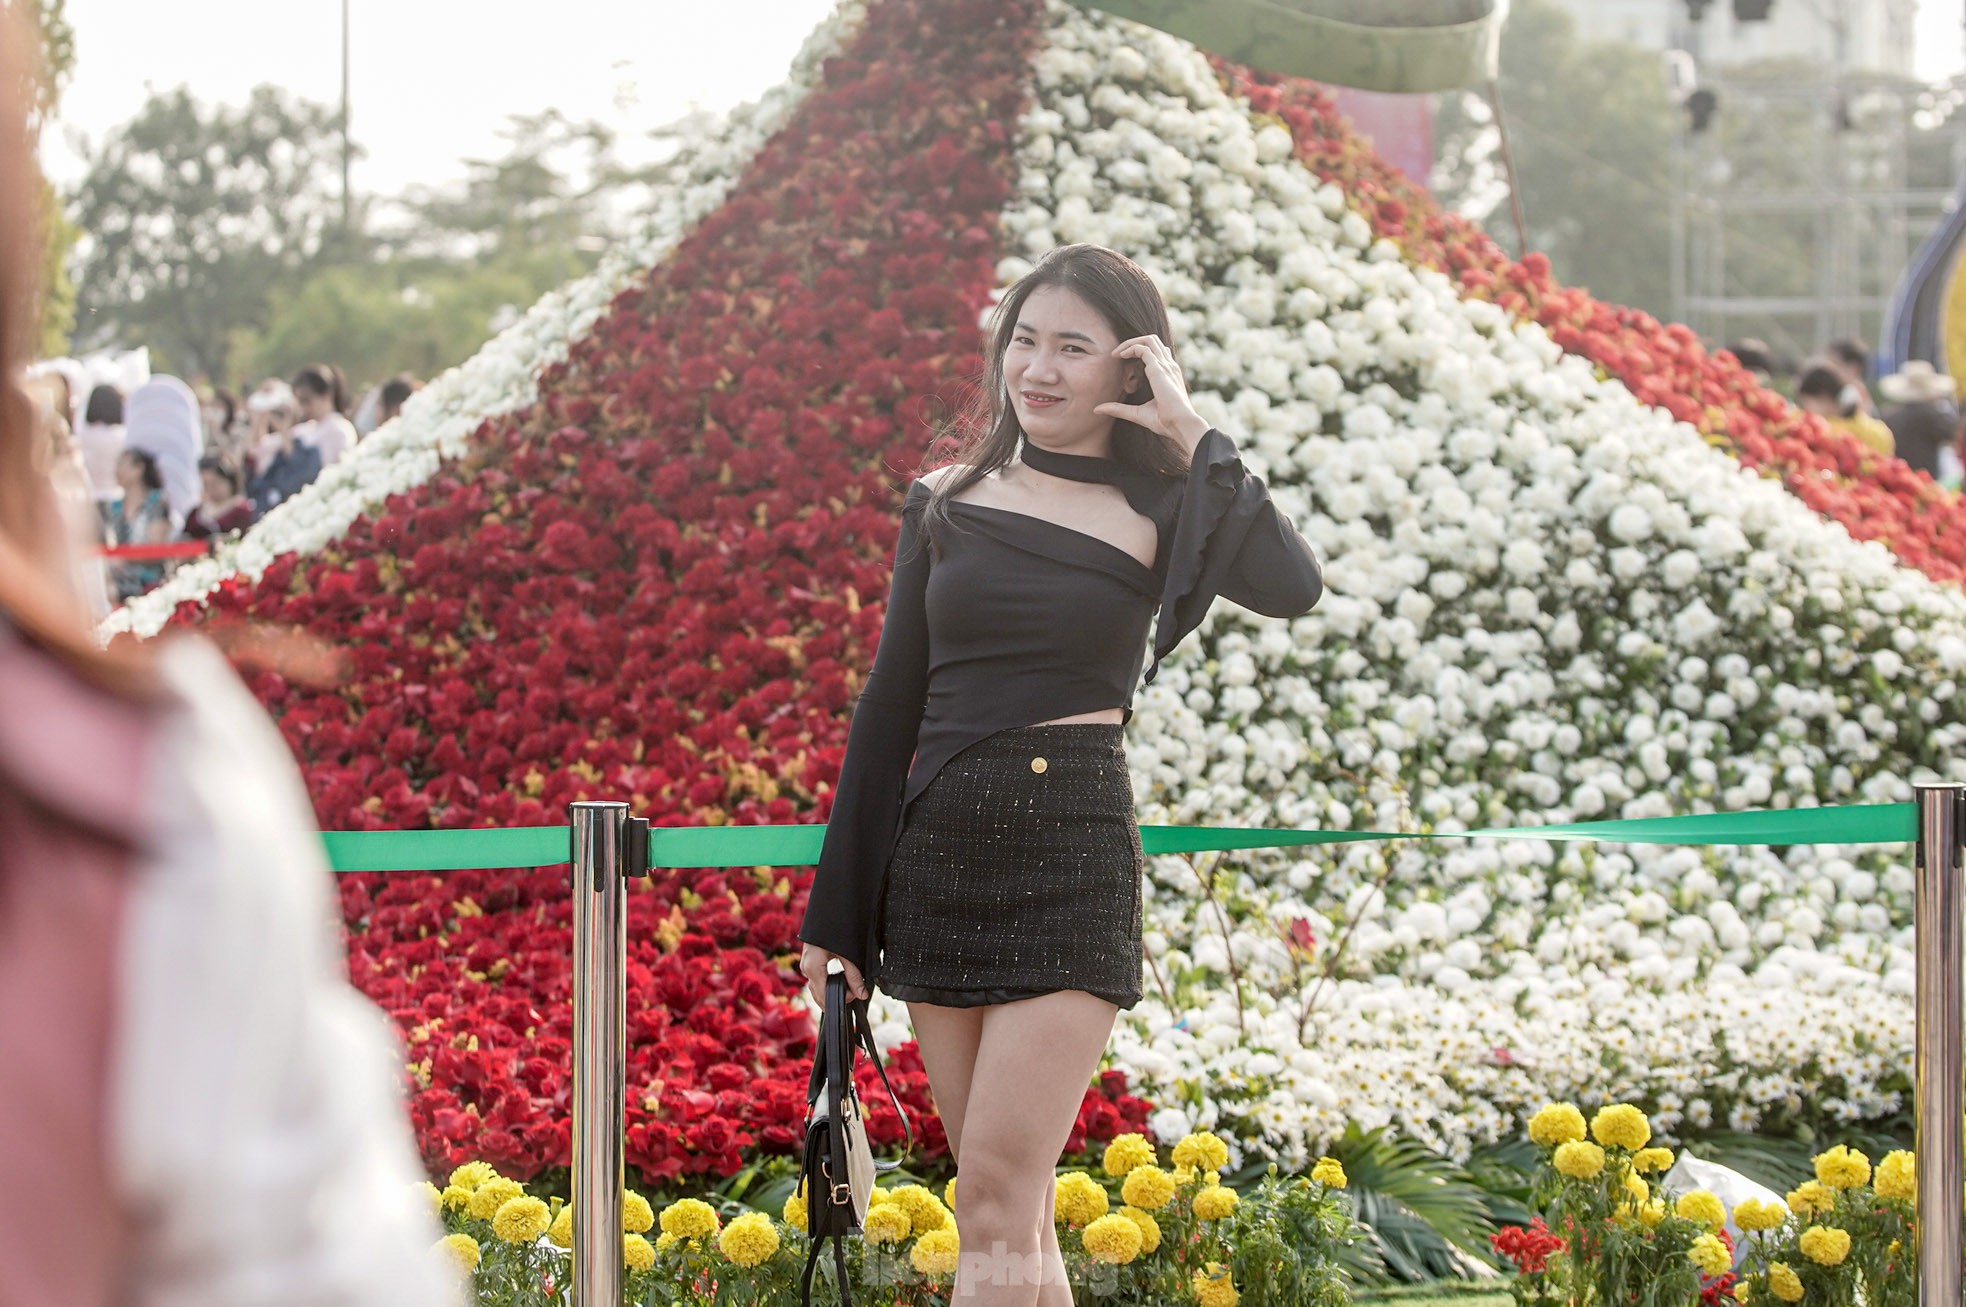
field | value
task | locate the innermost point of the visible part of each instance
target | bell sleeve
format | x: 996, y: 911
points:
x: 1230, y: 539
x: 887, y: 718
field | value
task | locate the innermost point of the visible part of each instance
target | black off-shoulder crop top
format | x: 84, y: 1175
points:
x: 1016, y: 620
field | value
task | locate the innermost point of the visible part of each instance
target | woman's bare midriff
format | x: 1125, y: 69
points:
x: 1113, y: 716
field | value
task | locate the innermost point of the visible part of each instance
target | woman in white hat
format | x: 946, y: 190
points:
x: 1923, y: 413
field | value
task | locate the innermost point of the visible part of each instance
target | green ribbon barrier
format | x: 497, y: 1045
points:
x: 799, y: 845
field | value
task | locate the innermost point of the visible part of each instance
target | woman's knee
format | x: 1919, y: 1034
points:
x: 994, y: 1190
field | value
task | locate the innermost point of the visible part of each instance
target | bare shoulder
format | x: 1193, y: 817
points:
x: 933, y: 477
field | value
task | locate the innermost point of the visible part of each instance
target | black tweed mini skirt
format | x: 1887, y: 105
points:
x: 1017, y: 873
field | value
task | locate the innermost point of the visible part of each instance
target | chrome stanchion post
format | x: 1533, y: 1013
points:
x: 600, y: 1045
x: 1941, y: 1151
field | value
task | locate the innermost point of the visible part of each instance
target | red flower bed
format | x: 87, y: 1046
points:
x: 662, y: 582
x: 1874, y: 498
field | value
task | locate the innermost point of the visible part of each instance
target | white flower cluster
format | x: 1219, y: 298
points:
x: 437, y: 422
x: 1545, y: 602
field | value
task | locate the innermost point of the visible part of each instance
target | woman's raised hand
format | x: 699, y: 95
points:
x: 1168, y: 411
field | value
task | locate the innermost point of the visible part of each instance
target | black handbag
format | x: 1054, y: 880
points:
x: 837, y: 1174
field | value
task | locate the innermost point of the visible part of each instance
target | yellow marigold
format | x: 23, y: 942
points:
x: 1201, y: 1150
x: 1184, y: 1176
x: 935, y: 1252
x: 1652, y: 1161
x: 1215, y: 1202
x: 949, y: 1194
x: 664, y: 1239
x: 522, y: 1219
x: 1744, y: 1291
x: 456, y: 1197
x: 1556, y: 1123
x: 749, y: 1239
x: 1127, y: 1152
x: 462, y: 1248
x: 1652, y: 1213
x: 561, y: 1231
x: 794, y: 1212
x: 1710, y: 1255
x: 1078, y: 1199
x: 1621, y: 1126
x: 430, y: 1194
x: 1112, y: 1239
x: 472, y: 1174
x: 1149, y: 1227
x: 1214, y: 1288
x: 1810, y: 1198
x: 637, y: 1217
x: 636, y: 1254
x: 1825, y: 1245
x: 1210, y: 1177
x: 1330, y: 1173
x: 1578, y: 1159
x: 925, y: 1210
x: 1784, y: 1283
x: 1147, y: 1187
x: 1842, y: 1168
x: 1753, y: 1215
x: 689, y: 1218
x: 1897, y: 1176
x: 493, y: 1194
x: 887, y: 1223
x: 1637, y: 1188
x: 1701, y: 1207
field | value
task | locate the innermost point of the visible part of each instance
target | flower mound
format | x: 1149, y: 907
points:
x: 1550, y: 599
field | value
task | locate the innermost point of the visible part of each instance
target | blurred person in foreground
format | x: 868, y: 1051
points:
x: 195, y: 1105
x: 1923, y: 413
x: 1823, y: 391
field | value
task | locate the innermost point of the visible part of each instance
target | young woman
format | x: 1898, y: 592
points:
x: 994, y: 884
x: 142, y: 518
x: 323, y: 399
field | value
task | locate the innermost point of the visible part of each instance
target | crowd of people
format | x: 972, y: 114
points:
x: 165, y: 464
x: 1919, y: 421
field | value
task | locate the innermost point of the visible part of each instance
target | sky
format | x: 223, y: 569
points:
x: 432, y: 81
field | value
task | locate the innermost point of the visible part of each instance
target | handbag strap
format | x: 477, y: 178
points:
x: 865, y: 1037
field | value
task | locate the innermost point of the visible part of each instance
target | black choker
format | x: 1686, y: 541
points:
x: 1073, y: 467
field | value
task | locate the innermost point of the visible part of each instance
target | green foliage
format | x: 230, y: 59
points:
x: 1285, y: 1238
x: 195, y: 218
x: 58, y: 236
x: 1429, y: 1219
x: 377, y: 319
x: 54, y: 62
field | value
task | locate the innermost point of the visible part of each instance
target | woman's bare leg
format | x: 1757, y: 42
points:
x: 1032, y: 1065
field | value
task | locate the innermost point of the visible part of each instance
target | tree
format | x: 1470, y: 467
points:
x: 548, y: 190
x: 194, y: 218
x: 1590, y: 126
x: 455, y: 259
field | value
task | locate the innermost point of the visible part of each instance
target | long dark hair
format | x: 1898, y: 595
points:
x: 324, y: 379
x: 146, y: 464
x: 986, y: 434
